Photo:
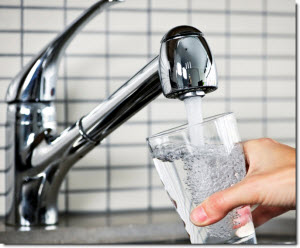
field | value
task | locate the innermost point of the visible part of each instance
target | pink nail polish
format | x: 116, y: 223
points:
x: 198, y: 215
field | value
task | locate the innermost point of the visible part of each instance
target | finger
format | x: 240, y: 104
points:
x: 264, y: 213
x: 216, y: 207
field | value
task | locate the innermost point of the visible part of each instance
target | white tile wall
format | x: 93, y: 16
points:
x: 78, y: 109
x: 181, y: 5
x: 11, y: 2
x: 282, y: 6
x: 120, y: 44
x: 3, y: 112
x: 281, y: 110
x: 129, y: 156
x: 8, y: 65
x: 210, y: 5
x: 124, y: 134
x: 2, y: 203
x: 10, y: 19
x: 246, y: 45
x: 60, y: 88
x: 3, y: 87
x: 121, y: 21
x: 222, y: 67
x: 34, y: 42
x: 282, y: 25
x: 254, y: 5
x: 32, y: 15
x: 60, y: 112
x: 222, y: 87
x: 246, y: 24
x: 95, y: 158
x: 256, y: 130
x: 97, y: 179
x: 126, y: 67
x: 209, y: 22
x: 129, y: 200
x: 53, y: 3
x: 169, y: 110
x: 81, y: 67
x: 76, y: 91
x: 87, y: 202
x: 130, y: 178
x: 281, y: 46
x: 10, y: 43
x: 142, y: 5
x: 87, y: 44
x: 281, y: 89
x: 83, y: 4
x: 2, y: 160
x: 254, y: 109
x: 97, y: 24
x: 281, y: 130
x: 246, y: 67
x: 254, y: 88
x: 217, y: 44
x: 211, y: 108
x: 2, y: 136
x: 255, y: 62
x: 282, y: 67
x: 2, y: 183
x: 160, y: 199
x: 162, y: 21
x: 157, y: 128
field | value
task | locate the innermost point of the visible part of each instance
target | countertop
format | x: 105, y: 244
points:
x: 162, y: 226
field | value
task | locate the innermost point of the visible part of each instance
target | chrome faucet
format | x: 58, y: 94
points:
x: 37, y: 158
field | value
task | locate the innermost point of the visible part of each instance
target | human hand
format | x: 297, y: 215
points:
x: 270, y: 182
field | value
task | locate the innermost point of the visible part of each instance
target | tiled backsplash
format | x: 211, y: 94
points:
x: 254, y: 46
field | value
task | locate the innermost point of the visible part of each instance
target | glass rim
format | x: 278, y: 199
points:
x: 186, y: 126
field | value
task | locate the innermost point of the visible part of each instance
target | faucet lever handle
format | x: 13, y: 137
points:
x: 37, y: 81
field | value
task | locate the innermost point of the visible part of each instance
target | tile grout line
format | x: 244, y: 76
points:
x: 149, y: 109
x: 107, y: 80
x: 66, y: 111
x: 22, y: 34
x: 159, y: 10
x: 154, y: 33
x: 141, y: 56
x: 189, y: 12
x: 264, y: 73
x: 275, y: 78
x: 228, y: 57
x: 296, y: 67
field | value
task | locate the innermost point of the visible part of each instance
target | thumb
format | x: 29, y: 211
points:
x: 216, y: 207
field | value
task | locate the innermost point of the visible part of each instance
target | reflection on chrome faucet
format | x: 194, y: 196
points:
x: 37, y: 158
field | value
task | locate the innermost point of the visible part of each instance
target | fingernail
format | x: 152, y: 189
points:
x: 198, y: 215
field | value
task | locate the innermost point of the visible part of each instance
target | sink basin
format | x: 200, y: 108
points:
x: 143, y: 227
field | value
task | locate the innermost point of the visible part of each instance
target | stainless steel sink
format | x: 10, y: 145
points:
x: 144, y: 227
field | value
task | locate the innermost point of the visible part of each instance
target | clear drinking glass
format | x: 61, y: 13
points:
x: 194, y: 162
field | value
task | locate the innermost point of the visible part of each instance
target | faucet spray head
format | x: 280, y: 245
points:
x: 186, y: 65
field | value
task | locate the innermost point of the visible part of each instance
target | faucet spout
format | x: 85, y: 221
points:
x: 92, y: 128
